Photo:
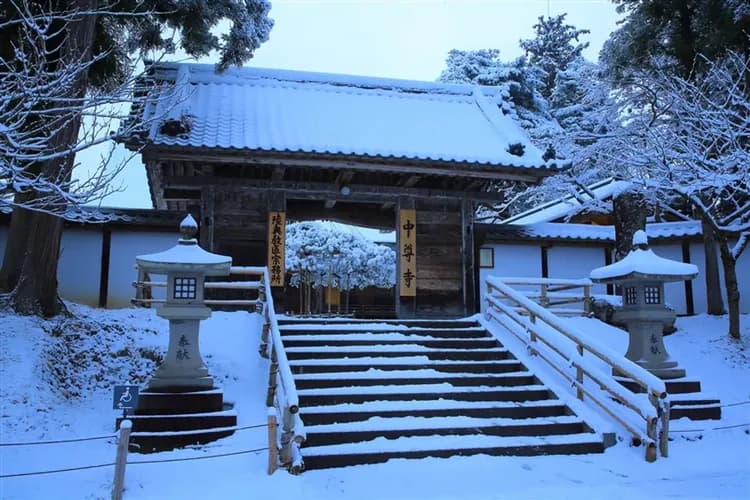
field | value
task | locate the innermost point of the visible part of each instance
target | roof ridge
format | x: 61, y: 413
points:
x: 206, y: 72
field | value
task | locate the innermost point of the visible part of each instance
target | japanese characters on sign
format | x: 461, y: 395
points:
x: 407, y: 228
x: 276, y: 242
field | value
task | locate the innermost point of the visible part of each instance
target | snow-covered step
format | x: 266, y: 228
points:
x: 402, y: 363
x: 352, y: 412
x: 318, y: 397
x: 395, y: 427
x: 382, y: 449
x: 384, y: 377
x: 369, y: 340
x: 297, y: 331
x: 323, y: 352
x: 381, y: 323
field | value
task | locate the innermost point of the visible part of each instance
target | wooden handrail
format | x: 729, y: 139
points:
x: 542, y: 332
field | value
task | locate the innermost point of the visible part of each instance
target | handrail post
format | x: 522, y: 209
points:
x: 287, y: 435
x: 273, y: 371
x: 663, y: 412
x: 543, y: 298
x: 579, y: 375
x: 586, y: 299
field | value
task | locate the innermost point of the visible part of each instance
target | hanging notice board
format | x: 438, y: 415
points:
x: 276, y: 243
x: 407, y: 227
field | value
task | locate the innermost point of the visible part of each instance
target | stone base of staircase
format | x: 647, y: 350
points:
x: 168, y: 420
x: 372, y: 391
x: 686, y: 399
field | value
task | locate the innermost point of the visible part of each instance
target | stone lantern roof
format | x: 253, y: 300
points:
x: 643, y: 264
x: 186, y: 255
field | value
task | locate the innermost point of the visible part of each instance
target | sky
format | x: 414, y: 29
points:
x: 407, y: 39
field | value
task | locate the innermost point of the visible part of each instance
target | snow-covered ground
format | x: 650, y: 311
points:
x: 52, y: 391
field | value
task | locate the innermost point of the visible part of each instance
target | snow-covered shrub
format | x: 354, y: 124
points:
x: 85, y: 355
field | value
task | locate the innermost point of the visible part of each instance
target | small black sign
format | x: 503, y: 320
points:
x: 125, y: 397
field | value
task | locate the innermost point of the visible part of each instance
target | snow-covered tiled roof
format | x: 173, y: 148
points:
x: 567, y: 206
x: 290, y: 111
x: 589, y: 232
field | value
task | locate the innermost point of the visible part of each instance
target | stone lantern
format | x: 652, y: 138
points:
x: 642, y: 275
x: 186, y: 266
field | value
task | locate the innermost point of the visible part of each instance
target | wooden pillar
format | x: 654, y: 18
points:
x: 468, y: 258
x: 208, y: 211
x: 406, y: 306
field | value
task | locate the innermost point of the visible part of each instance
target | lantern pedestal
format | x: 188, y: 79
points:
x: 183, y: 368
x: 646, y: 342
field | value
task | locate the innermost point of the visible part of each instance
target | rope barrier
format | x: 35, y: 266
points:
x: 230, y: 454
x: 680, y: 431
x: 735, y: 404
x: 39, y: 473
x: 60, y: 441
x: 85, y: 467
x: 110, y: 436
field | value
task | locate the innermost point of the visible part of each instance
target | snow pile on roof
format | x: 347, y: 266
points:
x: 569, y: 205
x: 290, y: 111
x: 643, y: 262
x: 591, y: 232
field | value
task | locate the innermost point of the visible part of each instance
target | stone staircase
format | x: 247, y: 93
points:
x: 371, y: 391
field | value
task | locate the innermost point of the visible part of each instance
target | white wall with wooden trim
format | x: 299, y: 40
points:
x: 576, y: 261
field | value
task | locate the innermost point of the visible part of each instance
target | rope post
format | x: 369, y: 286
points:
x: 273, y: 451
x: 122, y: 458
x: 543, y: 299
x: 579, y: 375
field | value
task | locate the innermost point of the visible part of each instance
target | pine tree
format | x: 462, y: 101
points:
x: 552, y: 48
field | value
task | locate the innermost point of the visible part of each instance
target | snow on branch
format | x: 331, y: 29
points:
x: 43, y: 96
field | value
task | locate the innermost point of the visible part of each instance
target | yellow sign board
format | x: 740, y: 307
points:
x: 276, y: 243
x: 407, y: 251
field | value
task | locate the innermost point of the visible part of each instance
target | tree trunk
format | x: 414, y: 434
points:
x: 714, y: 299
x: 630, y: 211
x: 36, y: 289
x: 732, y: 288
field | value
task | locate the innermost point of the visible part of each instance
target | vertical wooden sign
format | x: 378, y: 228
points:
x: 407, y: 240
x: 276, y: 243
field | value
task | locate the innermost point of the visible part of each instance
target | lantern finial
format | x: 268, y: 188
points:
x: 188, y: 228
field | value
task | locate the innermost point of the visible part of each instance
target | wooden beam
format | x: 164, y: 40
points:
x: 326, y: 191
x: 347, y: 162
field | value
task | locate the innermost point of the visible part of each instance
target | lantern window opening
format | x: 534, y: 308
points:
x: 652, y: 295
x: 631, y: 295
x: 185, y: 288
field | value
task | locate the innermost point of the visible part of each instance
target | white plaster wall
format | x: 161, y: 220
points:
x: 126, y: 245
x: 511, y: 260
x: 575, y: 262
x: 674, y: 292
x: 79, y: 268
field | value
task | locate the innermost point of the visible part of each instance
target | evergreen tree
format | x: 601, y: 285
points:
x: 88, y: 44
x: 552, y: 49
x: 674, y: 33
